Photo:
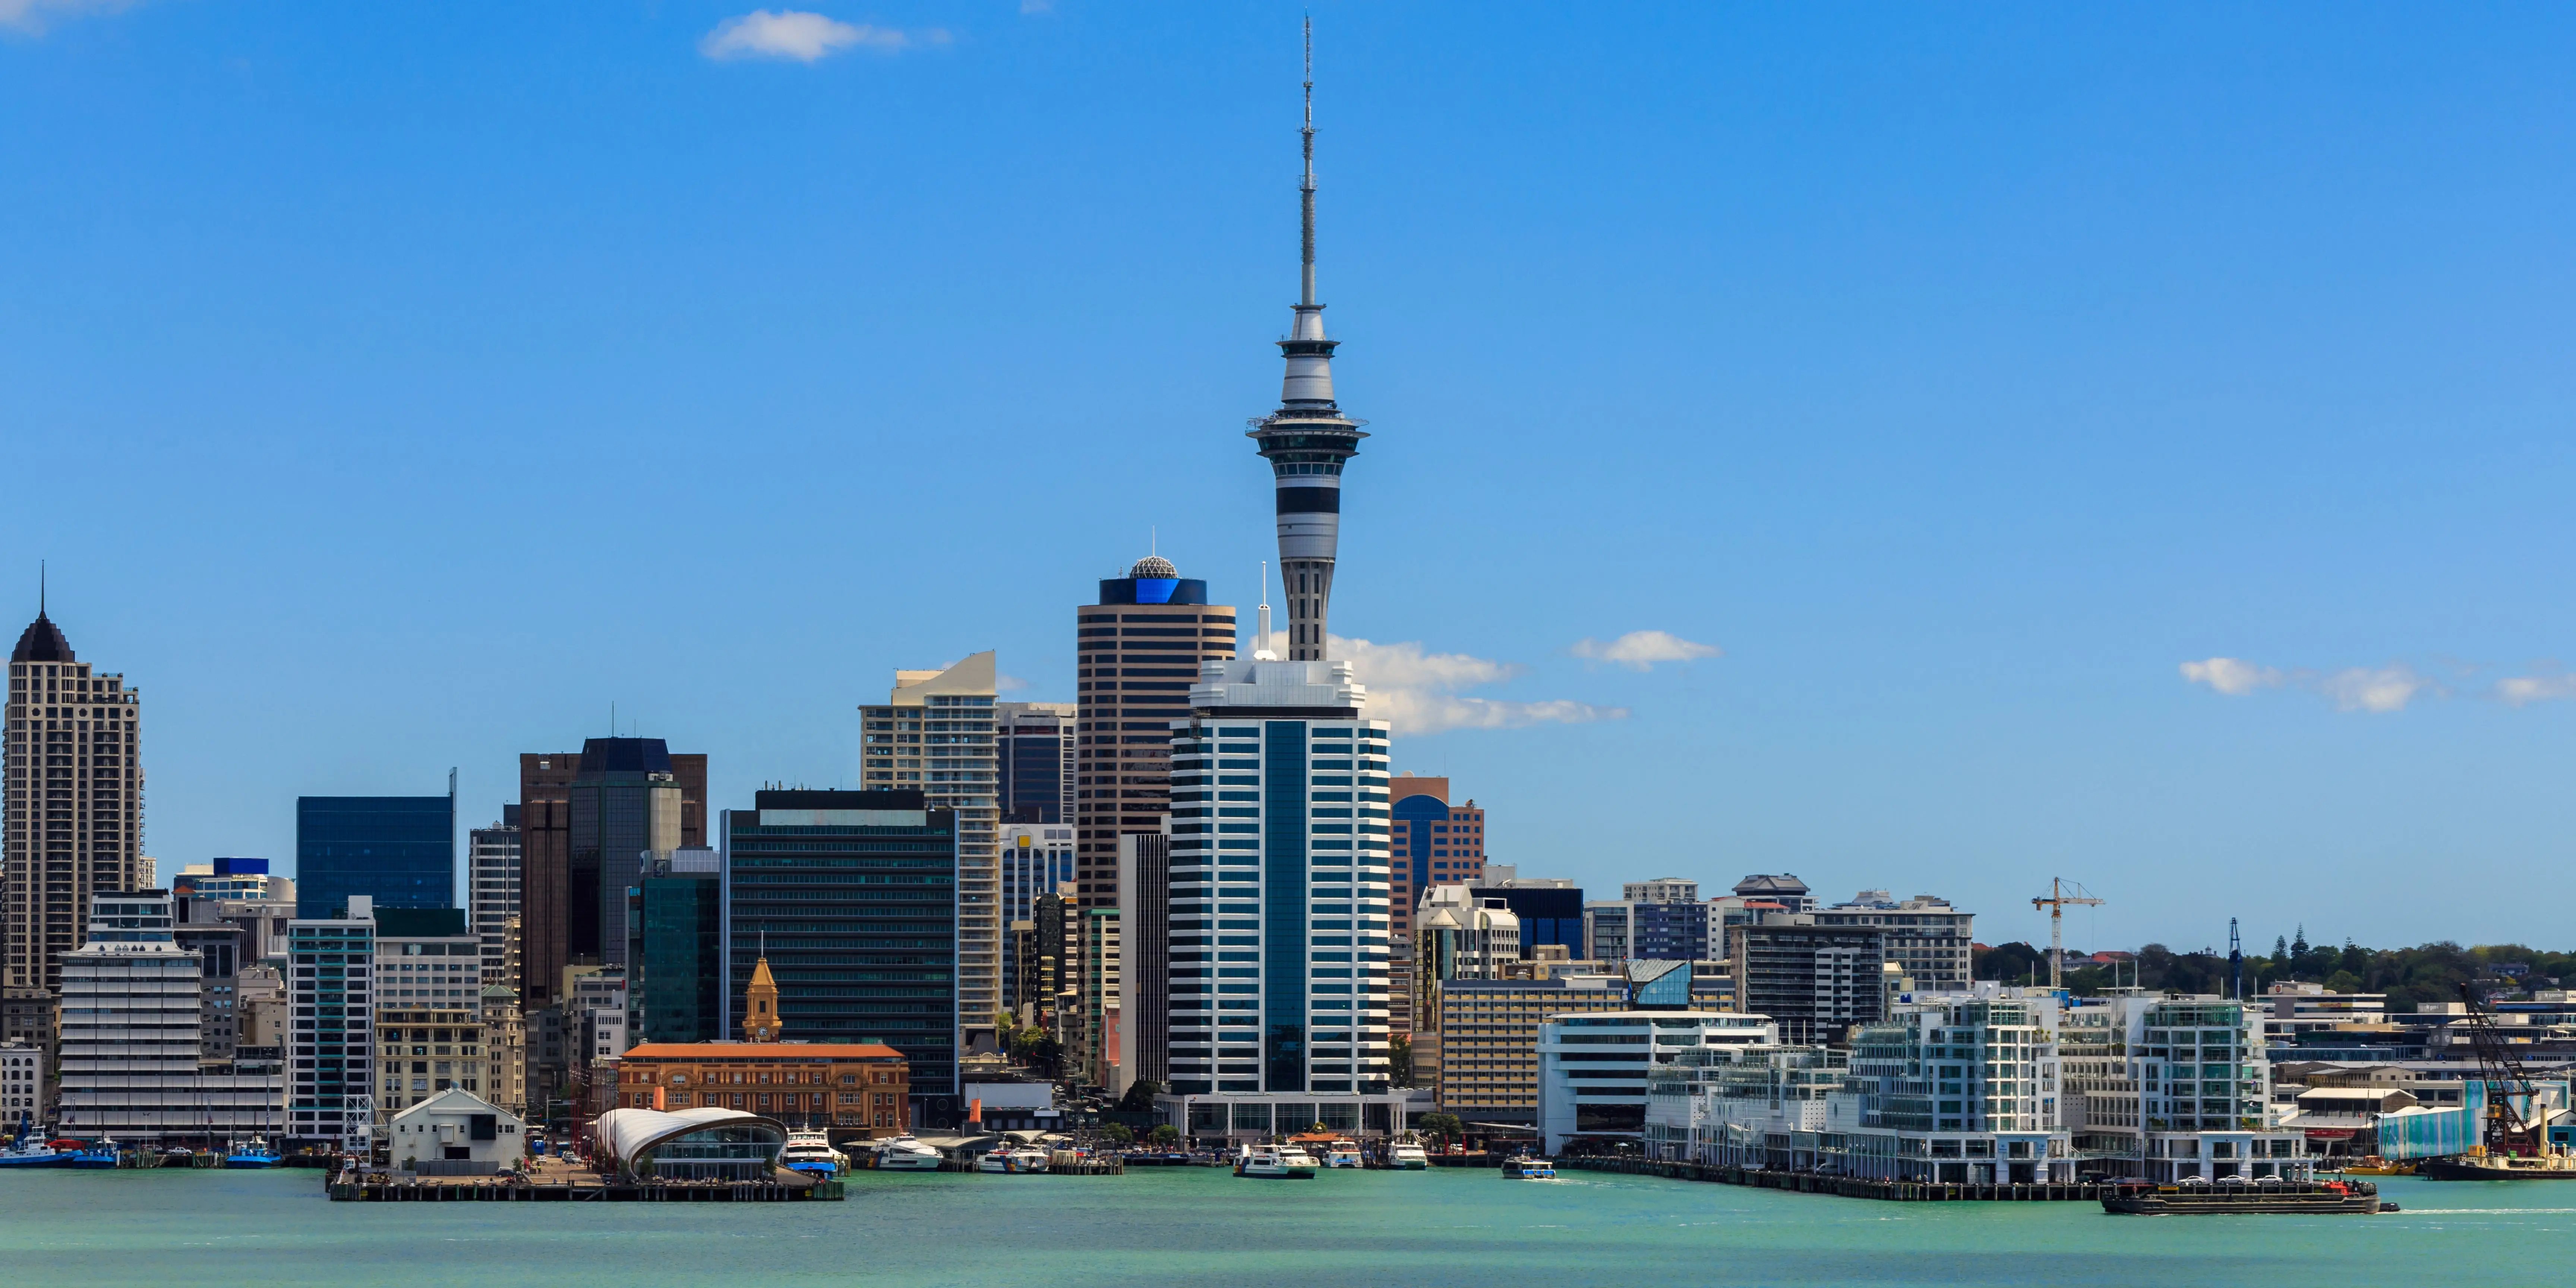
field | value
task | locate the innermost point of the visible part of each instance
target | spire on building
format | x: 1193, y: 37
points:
x: 1308, y: 439
x: 760, y: 1022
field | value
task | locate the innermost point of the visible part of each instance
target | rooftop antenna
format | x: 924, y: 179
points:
x: 1154, y: 540
x: 40, y: 588
x: 1261, y: 641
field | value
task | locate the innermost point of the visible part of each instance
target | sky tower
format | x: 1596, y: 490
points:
x: 1308, y: 438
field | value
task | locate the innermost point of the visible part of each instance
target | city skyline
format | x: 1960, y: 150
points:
x: 2151, y: 549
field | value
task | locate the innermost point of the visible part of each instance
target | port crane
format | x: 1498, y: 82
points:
x: 2513, y: 1107
x: 2061, y: 894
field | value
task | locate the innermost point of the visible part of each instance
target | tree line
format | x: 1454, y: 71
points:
x: 2409, y: 976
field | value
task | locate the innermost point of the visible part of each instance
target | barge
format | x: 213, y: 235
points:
x: 2148, y: 1198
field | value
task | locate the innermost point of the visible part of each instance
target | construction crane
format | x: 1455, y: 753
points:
x: 2513, y: 1113
x: 2057, y: 901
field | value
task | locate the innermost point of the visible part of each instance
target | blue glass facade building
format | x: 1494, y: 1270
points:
x: 398, y: 850
x: 1549, y: 915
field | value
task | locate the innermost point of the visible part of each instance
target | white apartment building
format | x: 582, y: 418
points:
x: 330, y: 989
x: 494, y: 894
x: 1280, y: 881
x: 1930, y: 941
x: 935, y: 733
x: 132, y: 1015
x: 1594, y: 1067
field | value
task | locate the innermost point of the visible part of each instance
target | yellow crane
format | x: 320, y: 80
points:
x: 2061, y: 894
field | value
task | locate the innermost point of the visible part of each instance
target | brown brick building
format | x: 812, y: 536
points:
x: 861, y: 1088
x: 1137, y: 653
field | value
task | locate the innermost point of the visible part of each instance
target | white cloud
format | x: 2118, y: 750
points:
x: 1009, y: 684
x: 2378, y: 690
x: 798, y: 35
x: 31, y: 16
x: 1641, y: 650
x: 2523, y: 690
x: 2234, y: 677
x: 1416, y: 691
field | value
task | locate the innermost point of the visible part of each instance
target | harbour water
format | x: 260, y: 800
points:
x: 1195, y: 1225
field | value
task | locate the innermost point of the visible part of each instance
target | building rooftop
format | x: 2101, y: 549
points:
x: 42, y: 642
x: 763, y: 1051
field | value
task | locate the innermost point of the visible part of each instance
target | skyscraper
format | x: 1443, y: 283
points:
x: 1434, y: 843
x: 1138, y: 652
x: 1033, y: 749
x: 493, y: 895
x: 1308, y: 440
x: 854, y: 895
x: 675, y: 965
x: 1279, y: 887
x: 74, y: 802
x: 576, y: 812
x: 938, y: 732
x: 399, y: 851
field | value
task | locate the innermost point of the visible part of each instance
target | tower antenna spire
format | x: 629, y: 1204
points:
x: 1261, y: 640
x: 40, y: 588
x: 1306, y: 185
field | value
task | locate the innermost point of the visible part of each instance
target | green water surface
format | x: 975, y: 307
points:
x: 1197, y: 1225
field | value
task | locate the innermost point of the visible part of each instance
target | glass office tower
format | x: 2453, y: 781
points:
x: 852, y: 896
x: 399, y: 851
x: 675, y: 960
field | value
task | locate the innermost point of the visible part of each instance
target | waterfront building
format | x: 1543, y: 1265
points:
x: 1930, y: 940
x: 232, y: 881
x: 132, y: 1062
x: 1094, y: 1041
x: 398, y: 851
x: 1037, y: 858
x: 330, y: 1099
x: 1144, y: 959
x: 425, y: 1050
x: 456, y: 1133
x: 676, y: 965
x: 940, y: 727
x: 23, y: 1079
x: 1137, y: 652
x: 1594, y: 1068
x: 2292, y: 1008
x: 1972, y: 1076
x: 1431, y: 843
x: 1477, y: 1048
x: 493, y: 871
x: 1279, y: 884
x: 649, y: 1145
x: 1455, y: 936
x: 861, y: 1089
x: 856, y: 893
x: 1550, y: 909
x: 71, y: 813
x: 1814, y: 981
x: 1033, y: 754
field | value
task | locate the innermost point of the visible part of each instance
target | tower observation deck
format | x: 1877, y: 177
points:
x: 1308, y: 439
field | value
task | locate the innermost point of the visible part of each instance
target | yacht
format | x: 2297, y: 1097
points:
x: 904, y: 1154
x: 811, y: 1151
x: 1405, y: 1156
x: 995, y: 1161
x: 1269, y: 1164
x: 1342, y: 1153
x: 253, y: 1155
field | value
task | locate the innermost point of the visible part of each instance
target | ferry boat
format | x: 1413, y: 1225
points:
x: 1527, y: 1168
x: 256, y: 1154
x: 2148, y: 1198
x: 2553, y: 1166
x: 904, y: 1154
x: 1342, y: 1153
x: 1274, y: 1164
x: 811, y: 1151
x: 1296, y: 1156
x: 1405, y: 1156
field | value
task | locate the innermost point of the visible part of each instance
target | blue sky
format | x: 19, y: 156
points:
x: 392, y: 390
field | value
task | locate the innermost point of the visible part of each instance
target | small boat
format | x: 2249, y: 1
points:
x: 1274, y: 1165
x: 256, y: 1154
x: 1405, y: 1156
x: 1342, y: 1153
x: 96, y: 1156
x: 1298, y: 1157
x: 2374, y: 1165
x: 994, y: 1162
x: 33, y: 1153
x: 1528, y: 1168
x: 904, y: 1154
x: 2147, y: 1198
x: 811, y: 1151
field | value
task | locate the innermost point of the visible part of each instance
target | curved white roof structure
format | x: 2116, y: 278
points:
x: 621, y: 1134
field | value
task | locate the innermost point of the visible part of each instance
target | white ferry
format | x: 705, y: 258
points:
x: 904, y: 1154
x: 811, y: 1151
x: 1267, y: 1164
x: 1343, y: 1153
x: 1405, y: 1156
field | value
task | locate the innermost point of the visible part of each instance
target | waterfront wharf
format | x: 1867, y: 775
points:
x: 554, y: 1181
x: 1849, y: 1187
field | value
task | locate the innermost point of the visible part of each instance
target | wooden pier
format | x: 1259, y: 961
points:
x: 550, y: 1181
x: 1850, y: 1187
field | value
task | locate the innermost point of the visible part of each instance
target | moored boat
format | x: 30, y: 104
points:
x: 2552, y: 1166
x: 1342, y: 1153
x: 33, y: 1153
x: 252, y: 1156
x: 905, y: 1154
x: 811, y: 1151
x: 1267, y: 1164
x: 1405, y: 1156
x: 2148, y: 1198
x: 94, y: 1156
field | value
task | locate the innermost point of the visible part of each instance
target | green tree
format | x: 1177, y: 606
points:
x: 1399, y: 1054
x: 1140, y: 1097
x: 1165, y: 1136
x: 1118, y: 1134
x: 1444, y: 1127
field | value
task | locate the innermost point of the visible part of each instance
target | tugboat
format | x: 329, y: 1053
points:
x: 2230, y: 1198
x: 1269, y: 1164
x: 26, y: 1151
x: 254, y: 1155
x: 1405, y: 1156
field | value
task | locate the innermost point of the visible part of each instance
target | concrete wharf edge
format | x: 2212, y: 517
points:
x: 347, y: 1191
x: 1850, y: 1187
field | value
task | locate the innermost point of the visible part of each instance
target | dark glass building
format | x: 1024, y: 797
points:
x: 1033, y: 750
x: 675, y: 955
x: 399, y: 850
x: 852, y: 896
x: 1549, y: 914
